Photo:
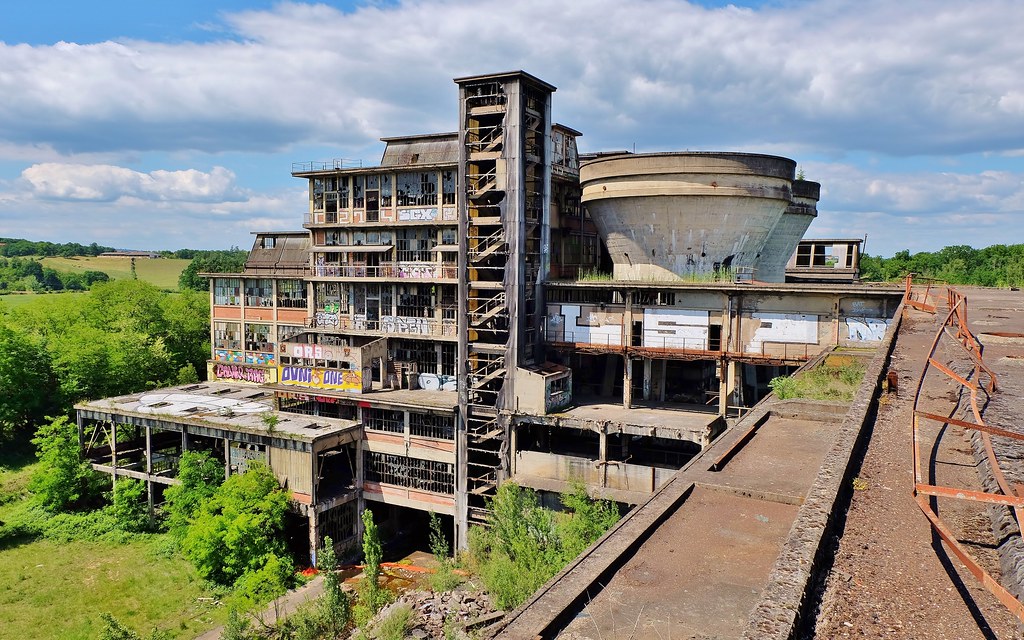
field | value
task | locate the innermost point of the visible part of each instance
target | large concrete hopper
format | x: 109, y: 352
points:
x: 669, y: 215
x: 787, y: 233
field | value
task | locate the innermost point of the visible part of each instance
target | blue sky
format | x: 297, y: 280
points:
x: 160, y: 125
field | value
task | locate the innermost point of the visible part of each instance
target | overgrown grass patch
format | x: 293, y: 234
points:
x: 55, y: 582
x: 58, y: 590
x: 836, y: 380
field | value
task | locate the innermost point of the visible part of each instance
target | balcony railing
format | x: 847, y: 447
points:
x: 769, y: 350
x: 404, y: 270
x: 393, y: 325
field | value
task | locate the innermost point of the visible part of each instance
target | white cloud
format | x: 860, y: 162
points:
x: 924, y: 76
x: 107, y: 183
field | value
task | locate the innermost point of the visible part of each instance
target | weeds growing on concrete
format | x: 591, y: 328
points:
x: 825, y: 382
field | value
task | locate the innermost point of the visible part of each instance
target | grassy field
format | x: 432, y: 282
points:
x: 51, y: 590
x: 17, y: 299
x: 162, y: 272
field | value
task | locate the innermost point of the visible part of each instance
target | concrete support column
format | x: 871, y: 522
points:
x: 602, y: 453
x: 227, y: 458
x: 724, y: 369
x: 113, y: 452
x: 662, y: 375
x: 314, y: 533
x: 149, y: 469
x: 648, y: 378
x: 627, y: 383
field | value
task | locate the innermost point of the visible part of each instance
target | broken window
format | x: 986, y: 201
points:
x: 417, y: 189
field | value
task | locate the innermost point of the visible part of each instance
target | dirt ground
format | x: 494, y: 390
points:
x: 891, y: 577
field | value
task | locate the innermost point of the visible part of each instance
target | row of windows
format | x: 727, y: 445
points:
x: 403, y: 471
x: 373, y: 192
x: 259, y: 292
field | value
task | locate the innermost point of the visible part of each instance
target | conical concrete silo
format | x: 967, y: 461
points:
x: 666, y: 216
x: 792, y: 225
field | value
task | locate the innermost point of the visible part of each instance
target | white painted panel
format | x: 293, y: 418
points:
x: 867, y: 329
x: 675, y: 328
x: 798, y: 328
x: 607, y: 334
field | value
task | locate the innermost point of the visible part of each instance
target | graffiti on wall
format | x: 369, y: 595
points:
x: 351, y: 380
x: 240, y: 455
x: 260, y: 358
x: 427, y: 213
x: 328, y: 316
x: 866, y: 329
x: 242, y: 374
x: 227, y: 355
x: 319, y: 352
x: 421, y: 271
x: 437, y: 382
x: 402, y: 324
x: 557, y: 393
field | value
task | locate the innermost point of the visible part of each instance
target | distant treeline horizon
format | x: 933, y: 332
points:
x: 21, y: 248
x: 998, y: 265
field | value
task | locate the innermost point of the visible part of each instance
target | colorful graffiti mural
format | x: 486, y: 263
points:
x: 352, y: 381
x: 227, y: 355
x: 241, y: 374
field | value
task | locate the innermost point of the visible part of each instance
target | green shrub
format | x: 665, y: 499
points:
x: 63, y: 480
x: 444, y: 579
x: 130, y: 508
x: 394, y: 625
x: 200, y: 476
x: 114, y: 630
x: 239, y: 528
x: 256, y: 588
x: 526, y: 544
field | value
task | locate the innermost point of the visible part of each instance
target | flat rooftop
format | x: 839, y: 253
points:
x: 657, y: 419
x: 231, y: 407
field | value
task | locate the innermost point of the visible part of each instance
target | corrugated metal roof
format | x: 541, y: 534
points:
x: 290, y: 252
x: 421, y: 150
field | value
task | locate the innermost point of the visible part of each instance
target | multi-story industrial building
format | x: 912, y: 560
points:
x: 479, y: 307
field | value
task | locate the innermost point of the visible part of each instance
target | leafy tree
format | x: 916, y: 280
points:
x: 200, y: 476
x: 238, y: 530
x: 130, y: 506
x: 372, y: 595
x: 186, y: 318
x: 232, y: 261
x: 63, y: 480
x: 336, y: 609
x: 588, y: 520
x: 526, y: 544
x: 25, y: 380
x: 444, y: 579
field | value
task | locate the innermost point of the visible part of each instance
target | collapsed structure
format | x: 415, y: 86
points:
x: 447, y: 321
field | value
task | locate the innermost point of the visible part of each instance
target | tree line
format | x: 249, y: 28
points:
x: 999, y: 265
x: 125, y: 336
x: 26, y: 274
x: 11, y: 247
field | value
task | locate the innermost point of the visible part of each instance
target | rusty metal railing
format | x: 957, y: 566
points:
x: 980, y: 380
x: 919, y: 299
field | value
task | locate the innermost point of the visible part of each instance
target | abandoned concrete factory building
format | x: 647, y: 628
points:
x: 488, y: 305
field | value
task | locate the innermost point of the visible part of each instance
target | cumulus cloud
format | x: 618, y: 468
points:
x: 919, y: 210
x: 107, y: 183
x: 922, y: 76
